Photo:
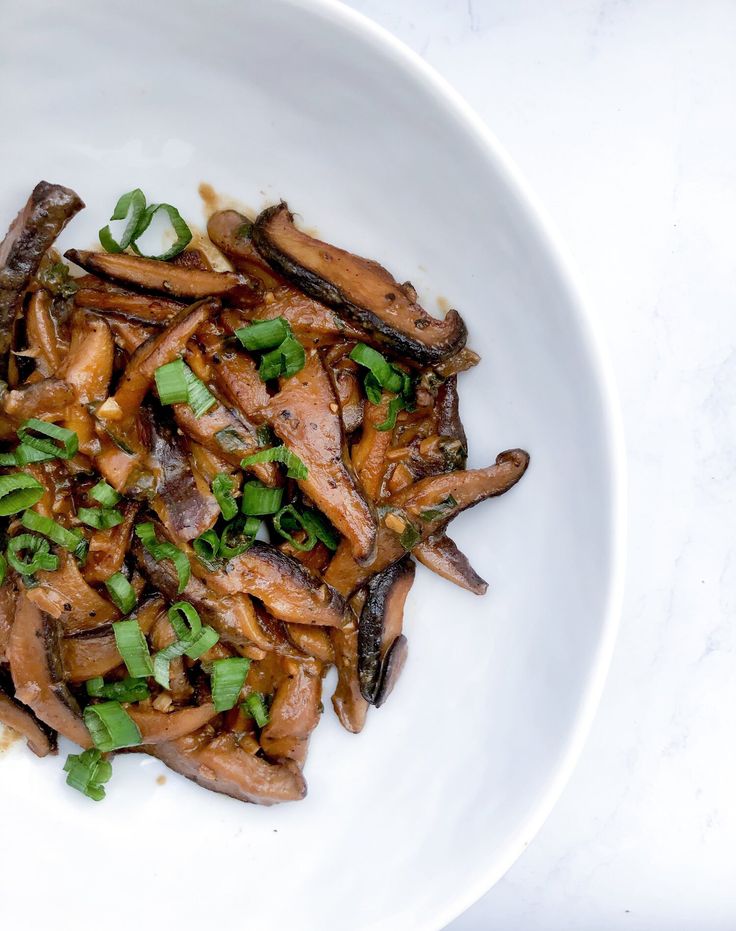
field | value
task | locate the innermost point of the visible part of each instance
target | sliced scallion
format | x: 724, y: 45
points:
x: 121, y: 592
x: 286, y: 360
x: 295, y: 467
x: 258, y: 499
x: 185, y: 620
x: 128, y: 689
x: 238, y: 536
x: 288, y: 518
x: 385, y: 374
x: 71, y: 540
x: 87, y: 772
x: 18, y: 491
x: 200, y: 398
x: 171, y: 382
x: 39, y: 557
x: 3, y: 568
x: 183, y: 233
x: 49, y: 438
x: 146, y: 533
x: 105, y: 494
x: 321, y: 528
x: 430, y: 514
x: 265, y: 334
x: 228, y: 678
x: 222, y: 489
x: 111, y: 727
x: 132, y: 205
x: 256, y: 708
x: 100, y: 518
x: 207, y: 548
x: 394, y: 406
x: 25, y: 454
x: 133, y: 648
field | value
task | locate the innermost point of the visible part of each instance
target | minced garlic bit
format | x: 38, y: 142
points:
x: 395, y: 523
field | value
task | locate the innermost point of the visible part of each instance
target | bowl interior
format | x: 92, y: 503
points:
x: 407, y: 823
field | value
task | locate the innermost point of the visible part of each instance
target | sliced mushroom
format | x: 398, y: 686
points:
x: 369, y: 453
x: 8, y: 596
x: 232, y: 615
x: 35, y: 665
x: 380, y: 624
x: 350, y: 706
x: 163, y: 348
x: 46, y: 213
x: 48, y: 400
x: 40, y: 738
x: 41, y: 333
x: 89, y: 653
x: 220, y: 764
x: 286, y: 588
x: 361, y: 290
x: 440, y: 554
x: 66, y: 596
x: 461, y: 362
x: 88, y: 365
x: 447, y: 412
x: 111, y: 299
x: 392, y: 666
x: 347, y: 389
x: 129, y: 334
x: 443, y: 496
x: 313, y: 323
x: 300, y: 415
x: 107, y: 548
x: 314, y: 641
x: 153, y: 275
x: 294, y: 712
x: 184, y: 506
x: 230, y: 232
x: 159, y: 727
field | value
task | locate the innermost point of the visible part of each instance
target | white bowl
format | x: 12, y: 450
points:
x: 407, y: 824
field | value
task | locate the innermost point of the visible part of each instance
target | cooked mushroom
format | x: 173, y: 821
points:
x: 286, y: 588
x: 350, y: 706
x: 35, y: 665
x: 152, y: 275
x: 220, y: 764
x: 46, y: 213
x: 230, y: 232
x: 95, y: 294
x: 40, y: 738
x: 392, y: 665
x: 159, y: 727
x: 357, y: 288
x: 42, y: 334
x: 301, y: 416
x: 66, y: 596
x: 314, y: 323
x: 294, y: 712
x: 440, y: 554
x: 380, y: 624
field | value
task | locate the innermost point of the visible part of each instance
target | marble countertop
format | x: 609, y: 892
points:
x: 621, y: 115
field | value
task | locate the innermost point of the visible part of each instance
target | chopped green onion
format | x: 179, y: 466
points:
x: 228, y: 678
x: 26, y: 454
x: 289, y: 514
x: 71, y: 540
x: 104, y: 494
x: 185, y: 620
x: 205, y: 641
x: 394, y: 406
x: 385, y: 374
x: 55, y: 278
x: 372, y: 388
x: 100, y: 518
x: 265, y: 334
x: 128, y: 689
x: 410, y: 536
x: 207, y: 548
x: 295, y: 467
x: 162, y: 660
x: 146, y: 533
x: 321, y: 528
x: 61, y: 442
x: 238, y: 536
x: 111, y: 727
x: 256, y: 708
x: 222, y: 489
x: 171, y: 382
x: 287, y: 359
x: 38, y: 550
x: 183, y: 233
x: 133, y: 648
x: 199, y: 397
x: 3, y: 568
x: 258, y: 499
x: 18, y: 491
x: 134, y: 204
x: 438, y: 510
x: 8, y: 459
x: 121, y: 592
x: 177, y: 383
x: 230, y: 441
x: 87, y: 772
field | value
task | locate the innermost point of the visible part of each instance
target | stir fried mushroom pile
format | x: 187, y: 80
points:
x: 213, y: 485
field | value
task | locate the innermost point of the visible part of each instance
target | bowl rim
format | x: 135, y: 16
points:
x: 535, y: 214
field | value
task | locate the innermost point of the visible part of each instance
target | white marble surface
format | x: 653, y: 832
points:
x: 622, y: 115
